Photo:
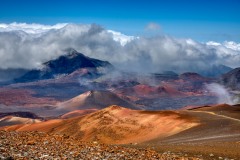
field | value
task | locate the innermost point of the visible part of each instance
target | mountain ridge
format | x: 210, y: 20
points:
x: 65, y: 64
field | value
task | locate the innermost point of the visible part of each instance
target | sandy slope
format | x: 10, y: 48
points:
x: 217, y: 123
x: 78, y: 113
x: 218, y: 134
x: 222, y: 109
x: 117, y: 125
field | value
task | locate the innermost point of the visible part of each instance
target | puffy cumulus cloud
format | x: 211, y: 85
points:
x: 19, y: 48
x: 227, y: 53
x: 122, y: 38
x: 227, y: 44
x: 232, y: 45
x: 152, y: 26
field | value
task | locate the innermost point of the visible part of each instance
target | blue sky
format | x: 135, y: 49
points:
x: 201, y: 20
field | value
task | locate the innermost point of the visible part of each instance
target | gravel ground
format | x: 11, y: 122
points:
x: 39, y: 145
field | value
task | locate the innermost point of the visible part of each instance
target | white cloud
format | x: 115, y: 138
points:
x: 227, y: 44
x: 232, y: 45
x: 29, y: 28
x: 228, y: 53
x: 212, y: 43
x: 122, y: 38
x: 221, y: 92
x: 19, y: 48
x: 153, y: 26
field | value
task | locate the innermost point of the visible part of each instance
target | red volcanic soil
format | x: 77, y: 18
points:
x: 192, y: 76
x: 22, y: 97
x: 147, y: 91
x: 172, y: 91
x: 79, y: 73
x: 117, y: 125
x: 78, y: 113
x: 191, y: 84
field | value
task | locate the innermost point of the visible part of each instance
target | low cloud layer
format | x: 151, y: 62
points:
x: 28, y: 45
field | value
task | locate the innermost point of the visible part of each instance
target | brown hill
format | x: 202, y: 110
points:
x: 121, y: 125
x: 94, y: 100
x: 117, y: 125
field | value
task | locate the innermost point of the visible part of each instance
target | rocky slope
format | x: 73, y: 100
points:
x: 38, y: 145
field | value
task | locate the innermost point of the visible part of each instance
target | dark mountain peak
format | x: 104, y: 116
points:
x: 72, y: 53
x: 65, y: 64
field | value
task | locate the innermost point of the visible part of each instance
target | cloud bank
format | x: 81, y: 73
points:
x: 28, y: 45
